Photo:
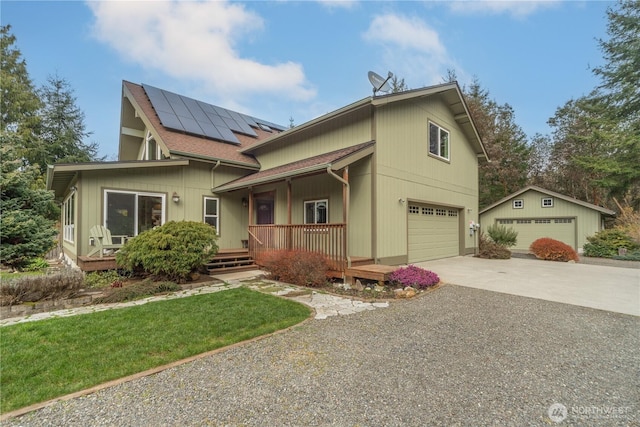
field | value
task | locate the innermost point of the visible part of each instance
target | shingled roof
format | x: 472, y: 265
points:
x: 182, y: 144
x: 334, y: 159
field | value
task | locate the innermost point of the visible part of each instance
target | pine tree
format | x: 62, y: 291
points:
x: 26, y: 226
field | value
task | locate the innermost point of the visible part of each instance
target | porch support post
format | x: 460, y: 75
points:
x: 289, y: 201
x: 346, y: 196
x: 250, y: 206
x: 289, y: 236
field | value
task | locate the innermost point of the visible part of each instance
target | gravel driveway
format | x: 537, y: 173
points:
x: 456, y: 356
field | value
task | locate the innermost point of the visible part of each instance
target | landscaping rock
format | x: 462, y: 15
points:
x: 358, y: 286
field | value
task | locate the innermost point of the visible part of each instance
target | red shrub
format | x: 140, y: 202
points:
x: 296, y: 267
x: 553, y: 250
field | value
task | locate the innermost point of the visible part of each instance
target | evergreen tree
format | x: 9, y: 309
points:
x: 505, y: 142
x: 398, y: 85
x: 62, y: 131
x: 26, y: 209
x: 19, y: 101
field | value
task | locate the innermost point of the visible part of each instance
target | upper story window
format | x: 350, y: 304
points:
x: 211, y: 212
x: 316, y: 211
x: 438, y: 141
x: 518, y: 204
x: 547, y: 202
x: 152, y: 149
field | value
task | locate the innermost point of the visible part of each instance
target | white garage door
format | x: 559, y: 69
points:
x: 433, y: 232
x: 529, y: 230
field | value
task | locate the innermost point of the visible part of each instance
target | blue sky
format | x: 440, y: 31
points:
x: 285, y: 59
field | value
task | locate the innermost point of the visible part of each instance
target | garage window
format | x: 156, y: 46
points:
x: 438, y: 141
x: 547, y: 202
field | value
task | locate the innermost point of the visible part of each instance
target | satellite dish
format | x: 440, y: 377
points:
x: 379, y: 83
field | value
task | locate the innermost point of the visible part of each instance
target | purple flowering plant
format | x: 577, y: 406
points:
x: 414, y: 276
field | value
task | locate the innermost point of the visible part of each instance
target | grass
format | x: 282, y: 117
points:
x: 50, y: 358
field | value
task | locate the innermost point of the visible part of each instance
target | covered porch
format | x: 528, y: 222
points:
x: 306, y: 206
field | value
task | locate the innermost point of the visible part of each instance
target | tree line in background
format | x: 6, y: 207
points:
x: 38, y: 127
x: 593, y: 153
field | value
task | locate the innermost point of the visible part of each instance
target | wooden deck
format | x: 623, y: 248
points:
x: 86, y: 263
x: 377, y: 272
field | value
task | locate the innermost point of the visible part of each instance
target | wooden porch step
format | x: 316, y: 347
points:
x: 378, y: 272
x: 231, y: 260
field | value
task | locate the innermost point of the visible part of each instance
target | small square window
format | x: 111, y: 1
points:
x: 518, y: 204
x: 547, y: 202
x: 315, y: 212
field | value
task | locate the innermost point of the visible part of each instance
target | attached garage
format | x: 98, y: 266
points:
x: 535, y: 212
x: 433, y: 232
x: 530, y: 229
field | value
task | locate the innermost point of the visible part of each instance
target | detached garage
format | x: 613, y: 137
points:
x: 433, y: 232
x: 535, y: 212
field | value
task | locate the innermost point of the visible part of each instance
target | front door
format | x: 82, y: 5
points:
x: 264, y: 210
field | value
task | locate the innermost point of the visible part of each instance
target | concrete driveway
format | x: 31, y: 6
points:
x: 602, y: 287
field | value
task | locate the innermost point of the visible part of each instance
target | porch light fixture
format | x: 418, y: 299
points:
x: 175, y: 197
x: 401, y: 201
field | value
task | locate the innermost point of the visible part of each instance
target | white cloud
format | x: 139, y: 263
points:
x: 339, y: 4
x: 195, y: 41
x: 517, y: 8
x: 411, y: 49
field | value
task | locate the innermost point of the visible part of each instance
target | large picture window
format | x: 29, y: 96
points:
x: 129, y: 213
x: 438, y: 141
x: 316, y: 212
x: 69, y: 221
x: 211, y: 215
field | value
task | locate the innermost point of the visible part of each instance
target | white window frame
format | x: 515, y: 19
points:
x: 316, y: 204
x: 518, y: 204
x: 216, y: 216
x: 69, y: 220
x: 163, y: 213
x: 549, y: 200
x: 437, y: 150
x: 147, y: 148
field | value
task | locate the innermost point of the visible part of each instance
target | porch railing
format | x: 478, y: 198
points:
x: 328, y: 239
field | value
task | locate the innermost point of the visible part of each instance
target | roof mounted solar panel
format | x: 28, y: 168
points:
x: 185, y: 114
x: 170, y: 121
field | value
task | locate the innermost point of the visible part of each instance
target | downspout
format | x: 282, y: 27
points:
x: 347, y: 188
x: 212, y: 169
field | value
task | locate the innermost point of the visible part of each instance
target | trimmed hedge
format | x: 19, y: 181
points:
x: 553, y: 250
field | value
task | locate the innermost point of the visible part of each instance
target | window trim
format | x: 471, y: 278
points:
x: 515, y: 204
x: 105, y: 207
x: 439, y: 155
x: 68, y: 218
x: 217, y: 216
x: 550, y: 199
x: 315, y: 202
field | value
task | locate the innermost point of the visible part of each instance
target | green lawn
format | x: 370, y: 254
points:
x: 50, y: 358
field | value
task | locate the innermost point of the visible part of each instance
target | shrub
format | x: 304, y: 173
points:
x: 553, y: 250
x: 605, y: 243
x: 170, y: 252
x: 41, y: 287
x: 136, y: 291
x: 37, y: 264
x: 300, y: 268
x: 101, y: 279
x: 503, y: 235
x: 489, y: 249
x: 629, y: 256
x: 414, y: 276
